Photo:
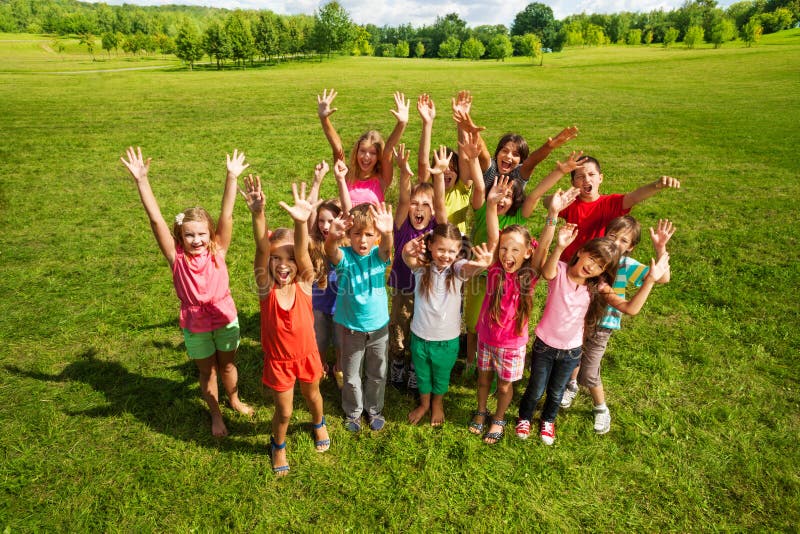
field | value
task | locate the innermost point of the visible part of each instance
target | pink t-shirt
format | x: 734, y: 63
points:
x: 502, y: 334
x: 367, y: 191
x: 561, y: 325
x: 201, y: 283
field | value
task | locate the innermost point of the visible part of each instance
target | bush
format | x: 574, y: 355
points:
x: 694, y: 35
x: 472, y: 49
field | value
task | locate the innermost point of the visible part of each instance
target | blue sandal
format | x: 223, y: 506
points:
x: 275, y: 447
x: 321, y: 445
x: 477, y: 428
x: 496, y: 436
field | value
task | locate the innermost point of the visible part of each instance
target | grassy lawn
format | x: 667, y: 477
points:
x: 102, y: 427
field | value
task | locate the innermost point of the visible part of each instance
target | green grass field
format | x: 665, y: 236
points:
x: 102, y: 427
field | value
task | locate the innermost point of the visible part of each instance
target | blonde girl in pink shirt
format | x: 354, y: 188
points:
x: 196, y: 250
x: 503, y: 322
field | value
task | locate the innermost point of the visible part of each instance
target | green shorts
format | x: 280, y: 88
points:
x: 201, y: 345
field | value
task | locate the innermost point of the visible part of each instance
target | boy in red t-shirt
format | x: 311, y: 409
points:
x: 592, y: 211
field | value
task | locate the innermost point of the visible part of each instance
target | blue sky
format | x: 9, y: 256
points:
x: 424, y: 12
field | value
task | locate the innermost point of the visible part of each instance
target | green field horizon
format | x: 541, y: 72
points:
x: 103, y: 427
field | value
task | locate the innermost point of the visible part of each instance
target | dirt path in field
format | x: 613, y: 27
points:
x: 95, y: 71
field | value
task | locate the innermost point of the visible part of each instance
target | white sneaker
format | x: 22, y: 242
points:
x: 602, y: 421
x: 547, y: 431
x: 570, y: 392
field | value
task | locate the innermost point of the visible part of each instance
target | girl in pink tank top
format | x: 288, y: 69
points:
x: 196, y: 251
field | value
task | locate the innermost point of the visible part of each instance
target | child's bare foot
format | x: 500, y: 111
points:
x: 218, y: 428
x: 437, y: 412
x: 242, y: 408
x: 416, y: 414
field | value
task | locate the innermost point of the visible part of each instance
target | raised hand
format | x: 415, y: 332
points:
x: 135, y: 164
x: 464, y: 121
x: 416, y: 248
x: 320, y: 170
x: 462, y: 102
x: 667, y: 182
x: 402, y: 104
x: 481, y: 255
x: 441, y: 160
x: 252, y: 193
x: 567, y: 234
x: 426, y: 108
x: 572, y: 163
x: 499, y: 190
x: 324, y: 102
x: 562, y: 199
x: 564, y: 136
x: 658, y: 268
x: 339, y: 226
x: 302, y: 208
x: 401, y: 157
x: 662, y: 234
x: 384, y: 222
x: 340, y: 169
x: 469, y: 147
x: 235, y: 164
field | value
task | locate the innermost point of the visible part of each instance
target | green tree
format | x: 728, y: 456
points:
x: 634, y: 37
x: 333, y: 29
x: 165, y: 43
x: 402, y: 49
x: 188, y: 44
x: 574, y: 33
x: 446, y: 28
x: 751, y: 32
x: 593, y: 35
x: 88, y: 39
x: 531, y: 46
x: 472, y: 48
x: 109, y: 41
x: 362, y: 42
x: 618, y: 27
x: 216, y: 43
x: 670, y: 36
x: 722, y: 31
x: 741, y: 12
x: 694, y: 36
x: 537, y: 18
x: 500, y: 48
x: 419, y: 49
x: 266, y: 36
x: 237, y: 28
x: 450, y: 47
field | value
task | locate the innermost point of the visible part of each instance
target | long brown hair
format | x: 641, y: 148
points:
x: 605, y: 252
x: 526, y: 274
x: 196, y: 214
x: 373, y: 138
x: 316, y: 245
x: 444, y: 231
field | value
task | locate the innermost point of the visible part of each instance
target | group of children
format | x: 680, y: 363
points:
x: 322, y: 285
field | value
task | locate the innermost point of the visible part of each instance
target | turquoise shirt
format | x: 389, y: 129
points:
x: 361, y: 304
x: 630, y: 272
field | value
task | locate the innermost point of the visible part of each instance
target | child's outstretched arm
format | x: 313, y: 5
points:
x: 401, y: 156
x: 464, y: 123
x: 549, y: 181
x: 138, y: 168
x: 540, y: 154
x: 559, y: 201
x: 301, y: 212
x: 647, y: 191
x: 235, y: 166
x: 320, y: 170
x: 660, y: 237
x: 481, y: 259
x: 254, y: 197
x: 566, y: 235
x: 324, y: 111
x: 414, y: 252
x: 427, y: 112
x: 441, y: 162
x: 384, y: 225
x: 339, y: 227
x: 401, y: 115
x: 634, y: 305
x: 468, y: 150
x: 498, y: 191
x: 340, y: 172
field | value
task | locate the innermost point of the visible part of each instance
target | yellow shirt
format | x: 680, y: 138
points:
x: 457, y: 202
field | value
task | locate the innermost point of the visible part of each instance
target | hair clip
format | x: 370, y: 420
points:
x: 179, y: 218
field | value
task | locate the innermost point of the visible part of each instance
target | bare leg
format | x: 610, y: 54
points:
x: 310, y: 391
x: 472, y: 348
x: 207, y: 368
x: 280, y: 424
x: 484, y: 382
x: 417, y: 413
x: 504, y: 394
x: 230, y: 381
x: 437, y: 410
x: 598, y: 395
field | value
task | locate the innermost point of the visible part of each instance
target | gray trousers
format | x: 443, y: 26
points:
x: 367, y: 350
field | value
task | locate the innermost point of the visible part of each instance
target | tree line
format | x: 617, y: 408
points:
x: 193, y: 32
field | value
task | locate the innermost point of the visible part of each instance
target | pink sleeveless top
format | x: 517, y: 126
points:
x: 367, y: 191
x: 201, y: 283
